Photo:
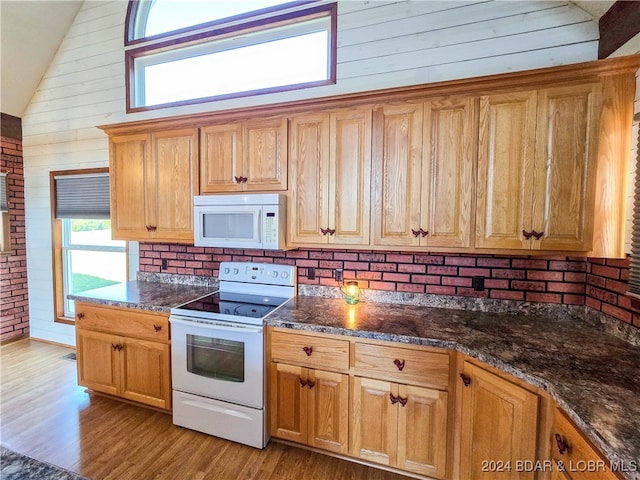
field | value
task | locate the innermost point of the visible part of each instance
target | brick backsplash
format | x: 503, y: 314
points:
x: 598, y: 283
x: 14, y: 299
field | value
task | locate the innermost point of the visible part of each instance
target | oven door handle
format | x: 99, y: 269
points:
x: 218, y: 326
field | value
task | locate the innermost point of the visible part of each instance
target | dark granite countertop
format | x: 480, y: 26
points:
x: 592, y: 374
x: 154, y: 296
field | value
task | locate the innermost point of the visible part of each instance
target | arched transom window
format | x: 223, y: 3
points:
x: 180, y: 52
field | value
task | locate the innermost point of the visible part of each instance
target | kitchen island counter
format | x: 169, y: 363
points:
x: 591, y: 374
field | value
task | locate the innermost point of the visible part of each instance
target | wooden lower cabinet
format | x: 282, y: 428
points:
x: 499, y: 426
x: 309, y: 406
x: 399, y: 426
x: 127, y: 366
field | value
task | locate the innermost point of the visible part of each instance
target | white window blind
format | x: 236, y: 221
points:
x: 634, y: 274
x: 4, y: 202
x: 82, y: 196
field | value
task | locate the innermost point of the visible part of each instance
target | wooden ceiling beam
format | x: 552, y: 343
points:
x: 619, y: 25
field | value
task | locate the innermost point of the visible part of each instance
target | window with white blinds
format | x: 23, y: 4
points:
x: 82, y: 196
x: 634, y: 274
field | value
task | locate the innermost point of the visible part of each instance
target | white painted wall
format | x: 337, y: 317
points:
x: 380, y: 44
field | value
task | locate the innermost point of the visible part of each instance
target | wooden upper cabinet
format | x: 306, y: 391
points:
x: 244, y: 156
x: 330, y: 170
x: 566, y: 157
x: 536, y: 169
x: 506, y: 153
x: 152, y: 185
x: 424, y: 170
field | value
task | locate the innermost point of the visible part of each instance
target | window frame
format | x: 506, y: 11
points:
x: 59, y: 250
x: 220, y: 30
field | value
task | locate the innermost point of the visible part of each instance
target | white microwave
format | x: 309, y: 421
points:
x: 240, y: 221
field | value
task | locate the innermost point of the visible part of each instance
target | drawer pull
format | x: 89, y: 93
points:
x: 526, y: 235
x: 416, y: 233
x: 403, y: 401
x: 114, y: 347
x: 563, y: 446
x: 311, y: 383
x: 423, y: 233
x: 307, y: 350
x: 157, y: 327
x: 80, y: 316
x: 537, y: 235
x: 465, y: 379
x: 399, y: 364
x: 303, y: 383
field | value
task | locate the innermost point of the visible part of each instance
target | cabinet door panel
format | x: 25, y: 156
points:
x: 565, y: 167
x: 98, y: 365
x: 288, y: 402
x: 374, y: 421
x: 506, y: 155
x: 422, y: 431
x: 397, y: 156
x: 175, y: 176
x: 145, y: 372
x: 448, y: 173
x: 499, y: 423
x: 328, y: 411
x: 265, y: 150
x: 309, y: 171
x: 350, y: 164
x: 129, y: 157
x: 221, y: 157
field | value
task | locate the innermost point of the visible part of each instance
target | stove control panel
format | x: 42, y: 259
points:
x: 258, y: 273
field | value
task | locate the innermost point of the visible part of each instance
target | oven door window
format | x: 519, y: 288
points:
x: 215, y: 358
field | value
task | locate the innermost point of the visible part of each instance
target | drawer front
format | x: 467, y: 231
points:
x: 579, y: 459
x: 310, y: 351
x: 123, y: 321
x: 402, y: 365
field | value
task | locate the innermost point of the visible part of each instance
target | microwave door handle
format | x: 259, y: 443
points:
x: 259, y: 220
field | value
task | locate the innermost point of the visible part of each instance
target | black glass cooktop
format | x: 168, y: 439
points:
x: 235, y: 304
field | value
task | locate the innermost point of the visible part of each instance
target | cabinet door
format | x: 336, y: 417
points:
x: 506, y: 155
x: 499, y: 424
x: 175, y: 176
x: 350, y: 174
x: 128, y: 163
x: 309, y: 172
x: 98, y: 361
x: 422, y: 431
x: 146, y: 371
x: 288, y: 402
x: 448, y: 172
x: 374, y: 421
x: 221, y: 157
x: 265, y: 150
x: 397, y: 157
x: 328, y: 410
x: 566, y: 152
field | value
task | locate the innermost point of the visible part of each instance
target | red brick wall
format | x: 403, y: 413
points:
x: 598, y: 283
x: 606, y: 286
x: 14, y: 303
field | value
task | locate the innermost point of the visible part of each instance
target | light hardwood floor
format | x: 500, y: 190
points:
x: 46, y: 415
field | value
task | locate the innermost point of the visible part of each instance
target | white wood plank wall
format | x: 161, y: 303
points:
x: 380, y: 44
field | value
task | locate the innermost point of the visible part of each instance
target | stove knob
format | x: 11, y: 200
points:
x: 274, y: 274
x: 227, y: 270
x: 284, y: 275
x: 235, y: 271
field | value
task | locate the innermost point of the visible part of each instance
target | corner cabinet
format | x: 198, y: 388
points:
x: 152, y: 185
x: 245, y: 156
x: 124, y: 353
x: 499, y: 426
x: 330, y: 174
x: 537, y: 169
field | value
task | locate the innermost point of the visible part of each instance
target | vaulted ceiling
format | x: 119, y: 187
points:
x: 31, y: 32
